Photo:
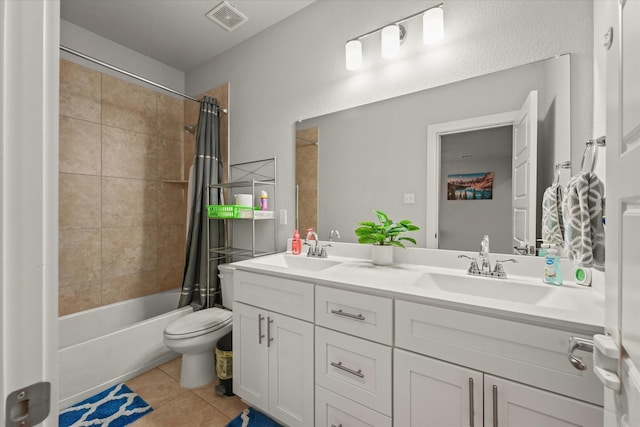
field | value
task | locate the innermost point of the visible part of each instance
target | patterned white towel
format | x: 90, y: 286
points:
x: 552, y: 223
x: 582, y: 210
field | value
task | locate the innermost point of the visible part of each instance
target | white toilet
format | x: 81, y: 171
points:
x: 196, y: 334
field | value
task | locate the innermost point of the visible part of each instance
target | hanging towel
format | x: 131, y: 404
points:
x: 582, y: 211
x: 552, y: 223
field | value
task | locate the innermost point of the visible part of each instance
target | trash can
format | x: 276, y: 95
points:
x: 224, y: 365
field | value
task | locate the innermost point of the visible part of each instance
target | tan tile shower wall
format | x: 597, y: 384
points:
x: 307, y: 178
x: 122, y: 226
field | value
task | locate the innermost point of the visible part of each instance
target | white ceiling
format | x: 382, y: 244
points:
x: 174, y: 32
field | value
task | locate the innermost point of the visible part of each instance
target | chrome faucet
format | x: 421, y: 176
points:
x: 315, y: 250
x: 484, y: 255
x: 485, y: 268
x: 335, y: 233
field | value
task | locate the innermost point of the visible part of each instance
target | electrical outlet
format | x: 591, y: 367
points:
x: 283, y: 217
x: 409, y: 198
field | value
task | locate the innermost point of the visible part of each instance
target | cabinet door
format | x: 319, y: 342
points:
x: 290, y: 343
x: 250, y: 356
x: 429, y: 392
x: 510, y: 404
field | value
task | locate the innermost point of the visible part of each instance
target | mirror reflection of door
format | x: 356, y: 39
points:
x: 306, y: 180
x: 471, y: 160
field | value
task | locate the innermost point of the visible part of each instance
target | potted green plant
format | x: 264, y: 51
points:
x: 384, y: 235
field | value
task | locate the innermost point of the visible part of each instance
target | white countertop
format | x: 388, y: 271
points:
x: 439, y: 278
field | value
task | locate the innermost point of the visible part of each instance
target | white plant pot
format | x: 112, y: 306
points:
x: 381, y: 255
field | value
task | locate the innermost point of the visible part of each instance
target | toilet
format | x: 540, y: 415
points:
x: 196, y: 334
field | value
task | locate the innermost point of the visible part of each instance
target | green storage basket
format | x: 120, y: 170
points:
x: 229, y: 211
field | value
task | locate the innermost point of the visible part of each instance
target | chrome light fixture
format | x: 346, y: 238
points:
x: 353, y: 50
x: 433, y: 25
x: 393, y: 34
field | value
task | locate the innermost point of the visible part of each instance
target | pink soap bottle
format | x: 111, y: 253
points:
x: 296, y: 243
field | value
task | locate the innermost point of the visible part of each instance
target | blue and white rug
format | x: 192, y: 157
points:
x: 117, y: 406
x: 252, y: 418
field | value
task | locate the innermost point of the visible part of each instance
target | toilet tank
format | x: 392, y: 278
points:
x: 225, y: 273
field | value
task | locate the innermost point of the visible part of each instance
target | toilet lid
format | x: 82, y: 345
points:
x: 199, y: 323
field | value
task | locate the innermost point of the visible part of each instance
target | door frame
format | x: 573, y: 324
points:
x: 435, y: 133
x: 29, y: 98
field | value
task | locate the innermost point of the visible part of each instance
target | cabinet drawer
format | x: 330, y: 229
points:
x: 354, y: 368
x: 333, y: 410
x: 362, y: 315
x: 530, y: 354
x: 285, y: 296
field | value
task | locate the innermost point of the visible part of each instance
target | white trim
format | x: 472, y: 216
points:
x: 434, y: 135
x: 29, y: 96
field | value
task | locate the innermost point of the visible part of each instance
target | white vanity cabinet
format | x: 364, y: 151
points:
x: 449, y: 395
x: 484, y: 350
x: 273, y: 346
x: 353, y: 373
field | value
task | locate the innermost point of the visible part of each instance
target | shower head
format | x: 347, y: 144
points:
x: 190, y: 128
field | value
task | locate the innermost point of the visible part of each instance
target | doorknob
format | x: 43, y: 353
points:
x: 577, y: 343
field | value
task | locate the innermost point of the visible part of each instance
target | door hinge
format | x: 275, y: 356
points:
x: 28, y: 406
x: 605, y: 360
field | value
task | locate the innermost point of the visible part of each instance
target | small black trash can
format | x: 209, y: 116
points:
x: 224, y: 365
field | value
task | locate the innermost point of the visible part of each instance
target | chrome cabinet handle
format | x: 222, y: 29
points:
x: 349, y: 315
x: 471, y: 424
x: 577, y: 343
x: 495, y: 406
x: 339, y: 425
x: 260, y: 334
x: 269, y: 337
x: 357, y: 373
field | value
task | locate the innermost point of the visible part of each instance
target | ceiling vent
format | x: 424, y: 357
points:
x: 227, y: 16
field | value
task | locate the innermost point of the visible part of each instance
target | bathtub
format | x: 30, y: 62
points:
x: 107, y: 345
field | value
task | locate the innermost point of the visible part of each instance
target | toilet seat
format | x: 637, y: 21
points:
x: 198, y: 323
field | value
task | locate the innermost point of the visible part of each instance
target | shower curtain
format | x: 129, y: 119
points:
x: 206, y: 169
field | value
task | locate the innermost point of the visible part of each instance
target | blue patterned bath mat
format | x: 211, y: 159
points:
x: 252, y: 418
x: 117, y: 406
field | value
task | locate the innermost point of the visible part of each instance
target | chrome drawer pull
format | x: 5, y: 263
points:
x: 495, y: 406
x: 260, y: 334
x: 269, y: 337
x: 349, y: 315
x: 471, y: 423
x: 339, y: 425
x: 357, y: 373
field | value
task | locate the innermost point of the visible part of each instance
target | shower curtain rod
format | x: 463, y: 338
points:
x: 135, y: 76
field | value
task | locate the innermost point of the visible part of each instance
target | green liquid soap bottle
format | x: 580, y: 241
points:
x: 552, y: 267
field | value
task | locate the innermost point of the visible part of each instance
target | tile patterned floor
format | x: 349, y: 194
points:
x: 174, y: 406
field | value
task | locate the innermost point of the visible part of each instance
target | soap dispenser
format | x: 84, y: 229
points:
x: 552, y: 267
x: 296, y: 243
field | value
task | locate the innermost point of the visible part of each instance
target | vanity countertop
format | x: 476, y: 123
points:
x: 523, y: 298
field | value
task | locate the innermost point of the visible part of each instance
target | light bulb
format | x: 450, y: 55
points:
x: 353, y: 53
x: 433, y: 26
x: 390, y: 41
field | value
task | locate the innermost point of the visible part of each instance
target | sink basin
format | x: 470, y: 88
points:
x: 296, y: 262
x: 486, y: 287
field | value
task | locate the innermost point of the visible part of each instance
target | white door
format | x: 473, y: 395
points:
x: 510, y: 404
x: 524, y: 174
x: 290, y: 343
x: 250, y: 355
x: 440, y: 393
x: 622, y: 275
x: 29, y: 61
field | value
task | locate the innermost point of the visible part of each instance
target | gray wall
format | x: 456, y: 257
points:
x: 462, y: 223
x: 296, y: 70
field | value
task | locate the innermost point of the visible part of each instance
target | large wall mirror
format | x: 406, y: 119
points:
x: 405, y: 154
